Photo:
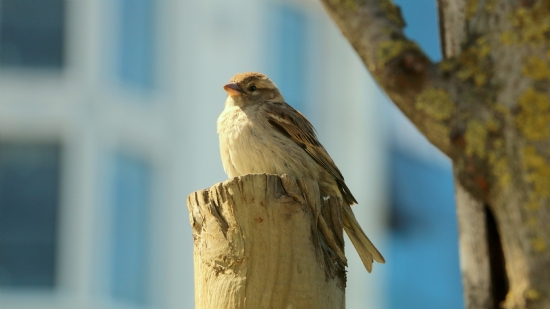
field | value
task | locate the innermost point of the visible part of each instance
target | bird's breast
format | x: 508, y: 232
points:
x: 248, y: 144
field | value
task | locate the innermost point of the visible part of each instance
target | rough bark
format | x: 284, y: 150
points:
x: 486, y: 106
x: 475, y: 258
x: 267, y: 241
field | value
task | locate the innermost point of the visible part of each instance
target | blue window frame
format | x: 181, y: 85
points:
x: 29, y: 203
x: 137, y: 43
x: 32, y: 33
x: 131, y: 201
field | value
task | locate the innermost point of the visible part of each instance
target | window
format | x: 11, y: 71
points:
x: 290, y: 60
x: 29, y: 202
x: 136, y: 52
x: 32, y: 33
x: 132, y: 181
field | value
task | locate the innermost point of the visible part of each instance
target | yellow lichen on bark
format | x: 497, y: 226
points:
x: 392, y: 12
x: 476, y: 138
x: 448, y: 65
x: 499, y: 162
x: 538, y: 172
x: 538, y: 175
x: 474, y: 62
x: 504, y: 110
x: 390, y: 49
x: 350, y: 5
x: 533, y: 203
x: 492, y: 125
x: 531, y: 24
x: 534, y: 118
x: 532, y: 223
x: 471, y: 8
x: 436, y: 103
x: 490, y: 5
x: 531, y: 294
x: 538, y: 244
x: 536, y: 68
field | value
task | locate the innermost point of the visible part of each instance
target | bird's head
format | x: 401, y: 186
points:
x: 251, y: 88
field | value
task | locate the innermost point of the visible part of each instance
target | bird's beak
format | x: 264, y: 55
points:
x: 233, y: 89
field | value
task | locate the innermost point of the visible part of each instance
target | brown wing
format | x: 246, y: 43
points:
x: 291, y: 123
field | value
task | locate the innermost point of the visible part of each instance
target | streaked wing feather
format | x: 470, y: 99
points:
x: 291, y: 123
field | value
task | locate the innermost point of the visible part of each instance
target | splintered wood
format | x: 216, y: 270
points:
x: 267, y: 241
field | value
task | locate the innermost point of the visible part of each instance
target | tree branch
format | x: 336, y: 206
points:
x: 415, y: 84
x: 487, y: 107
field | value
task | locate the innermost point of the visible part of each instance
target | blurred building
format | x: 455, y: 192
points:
x: 108, y: 121
x: 423, y: 235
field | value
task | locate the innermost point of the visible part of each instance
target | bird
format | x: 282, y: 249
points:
x: 260, y: 133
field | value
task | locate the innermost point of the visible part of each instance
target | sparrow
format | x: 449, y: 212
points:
x: 260, y: 133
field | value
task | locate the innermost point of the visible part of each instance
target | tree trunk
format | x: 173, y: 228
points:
x: 486, y: 106
x: 481, y: 258
x: 267, y: 241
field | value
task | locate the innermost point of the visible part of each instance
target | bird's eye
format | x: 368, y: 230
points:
x: 252, y: 88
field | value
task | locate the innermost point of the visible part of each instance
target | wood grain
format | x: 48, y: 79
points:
x: 267, y: 241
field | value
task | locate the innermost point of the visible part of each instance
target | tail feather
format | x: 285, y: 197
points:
x: 366, y: 250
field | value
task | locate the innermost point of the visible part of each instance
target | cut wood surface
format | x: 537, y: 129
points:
x: 267, y: 241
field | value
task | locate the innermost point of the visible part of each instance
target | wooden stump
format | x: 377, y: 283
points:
x: 267, y: 241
